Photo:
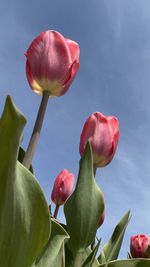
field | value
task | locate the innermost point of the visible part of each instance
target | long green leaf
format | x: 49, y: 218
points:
x: 91, y: 258
x: 128, y: 263
x: 53, y: 254
x: 24, y: 216
x: 69, y: 257
x: 83, y: 208
x: 111, y: 249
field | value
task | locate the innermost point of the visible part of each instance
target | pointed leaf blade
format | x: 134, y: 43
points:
x: 91, y: 258
x: 53, y: 253
x: 85, y: 206
x: 24, y: 216
x: 69, y: 257
x: 111, y: 249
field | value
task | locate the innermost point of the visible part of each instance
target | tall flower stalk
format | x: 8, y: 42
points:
x: 36, y: 131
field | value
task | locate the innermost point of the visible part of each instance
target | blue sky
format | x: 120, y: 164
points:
x: 114, y: 78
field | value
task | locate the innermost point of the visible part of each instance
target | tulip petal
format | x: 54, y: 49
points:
x: 74, y: 50
x: 73, y: 71
x: 87, y: 132
x: 46, y: 54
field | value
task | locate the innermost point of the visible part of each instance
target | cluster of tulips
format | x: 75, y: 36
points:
x: 30, y: 235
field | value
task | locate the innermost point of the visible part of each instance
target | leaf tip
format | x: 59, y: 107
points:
x: 13, y: 110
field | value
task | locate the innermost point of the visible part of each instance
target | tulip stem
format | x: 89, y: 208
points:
x: 56, y: 211
x: 36, y: 131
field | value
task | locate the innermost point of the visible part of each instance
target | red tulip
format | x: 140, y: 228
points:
x: 139, y: 245
x: 63, y: 187
x: 52, y: 63
x: 103, y: 134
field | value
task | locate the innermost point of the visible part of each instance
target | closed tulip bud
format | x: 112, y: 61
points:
x: 102, y: 216
x: 63, y: 187
x: 101, y: 219
x: 52, y: 63
x: 103, y: 133
x: 139, y: 245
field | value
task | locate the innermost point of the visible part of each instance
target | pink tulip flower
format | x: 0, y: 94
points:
x: 139, y: 245
x: 63, y: 187
x: 103, y: 134
x: 52, y: 63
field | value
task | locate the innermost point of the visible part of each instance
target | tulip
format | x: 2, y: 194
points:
x: 103, y: 133
x: 52, y: 63
x: 139, y: 245
x: 63, y: 187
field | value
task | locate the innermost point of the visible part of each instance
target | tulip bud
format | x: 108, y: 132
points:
x: 103, y: 134
x: 101, y: 219
x: 102, y: 216
x: 63, y: 187
x: 52, y: 63
x: 139, y: 245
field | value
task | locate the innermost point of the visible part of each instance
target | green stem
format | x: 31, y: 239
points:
x: 56, y: 211
x: 36, y: 131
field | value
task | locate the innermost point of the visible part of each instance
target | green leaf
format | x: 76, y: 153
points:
x: 83, y: 208
x: 91, y: 258
x: 128, y: 263
x: 53, y: 254
x: 21, y: 156
x: 111, y: 249
x: 24, y: 216
x: 69, y: 257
